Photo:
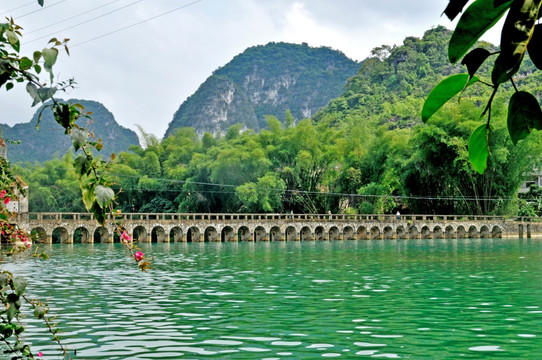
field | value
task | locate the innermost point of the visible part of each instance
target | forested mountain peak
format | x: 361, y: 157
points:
x: 265, y: 80
x: 49, y: 141
x: 392, y: 83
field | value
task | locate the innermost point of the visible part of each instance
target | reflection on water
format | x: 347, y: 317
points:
x: 466, y: 298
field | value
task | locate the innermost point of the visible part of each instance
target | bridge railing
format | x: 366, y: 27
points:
x: 275, y: 217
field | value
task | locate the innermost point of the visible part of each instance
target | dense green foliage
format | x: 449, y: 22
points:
x: 49, y: 141
x: 265, y: 80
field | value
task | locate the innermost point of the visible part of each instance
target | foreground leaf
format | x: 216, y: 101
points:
x: 104, y: 196
x: 49, y: 56
x: 515, y: 36
x: 474, y: 59
x: 454, y: 7
x: 535, y: 46
x: 443, y: 92
x: 475, y: 21
x: 32, y: 90
x: 79, y: 138
x: 19, y: 285
x: 478, y: 148
x: 524, y: 115
x: 87, y: 192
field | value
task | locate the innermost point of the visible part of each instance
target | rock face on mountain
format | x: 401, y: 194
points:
x: 265, y: 80
x: 49, y: 140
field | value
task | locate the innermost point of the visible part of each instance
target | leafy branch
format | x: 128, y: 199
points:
x: 520, y: 35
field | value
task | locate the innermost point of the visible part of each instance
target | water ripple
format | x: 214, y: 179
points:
x: 384, y: 299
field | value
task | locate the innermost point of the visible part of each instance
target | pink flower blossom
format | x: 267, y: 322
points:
x: 40, y: 354
x: 3, y: 193
x: 125, y: 238
x: 139, y: 256
x: 6, y: 200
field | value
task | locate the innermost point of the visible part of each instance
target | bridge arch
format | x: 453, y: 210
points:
x: 60, y: 236
x: 388, y: 232
x: 81, y: 235
x: 158, y: 235
x: 101, y: 235
x: 437, y: 232
x: 139, y: 234
x: 210, y: 234
x: 260, y: 234
x: 362, y: 233
x: 461, y: 232
x: 243, y: 234
x: 400, y: 232
x: 176, y: 234
x: 319, y: 233
x: 413, y: 232
x: 40, y: 233
x: 375, y: 233
x: 291, y: 234
x: 496, y: 232
x: 348, y: 233
x: 193, y: 234
x: 449, y: 232
x: 484, y: 232
x: 275, y: 234
x: 426, y: 233
x: 305, y: 233
x: 334, y: 233
x: 227, y: 234
x: 473, y: 232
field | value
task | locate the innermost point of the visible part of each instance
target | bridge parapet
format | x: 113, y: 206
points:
x: 165, y: 227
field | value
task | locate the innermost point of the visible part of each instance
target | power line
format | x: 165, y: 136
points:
x: 19, y: 7
x: 295, y: 192
x: 305, y: 192
x: 40, y: 9
x: 71, y: 17
x: 85, y: 22
x: 138, y: 23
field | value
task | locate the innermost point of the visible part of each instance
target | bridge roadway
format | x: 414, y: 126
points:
x: 82, y: 227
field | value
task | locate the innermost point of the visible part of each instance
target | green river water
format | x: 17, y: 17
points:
x: 408, y: 299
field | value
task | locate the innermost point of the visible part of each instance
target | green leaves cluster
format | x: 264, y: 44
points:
x: 519, y: 36
x: 12, y: 289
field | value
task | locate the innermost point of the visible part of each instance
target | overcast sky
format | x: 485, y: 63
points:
x: 143, y: 58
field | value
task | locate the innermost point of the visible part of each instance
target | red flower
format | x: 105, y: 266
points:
x: 139, y: 256
x: 6, y: 200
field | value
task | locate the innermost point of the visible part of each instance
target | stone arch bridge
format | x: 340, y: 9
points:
x: 82, y: 227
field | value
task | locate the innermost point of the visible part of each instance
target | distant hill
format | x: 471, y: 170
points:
x: 265, y: 80
x: 392, y: 84
x: 49, y: 141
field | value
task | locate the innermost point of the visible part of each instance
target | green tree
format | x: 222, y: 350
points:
x: 263, y: 196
